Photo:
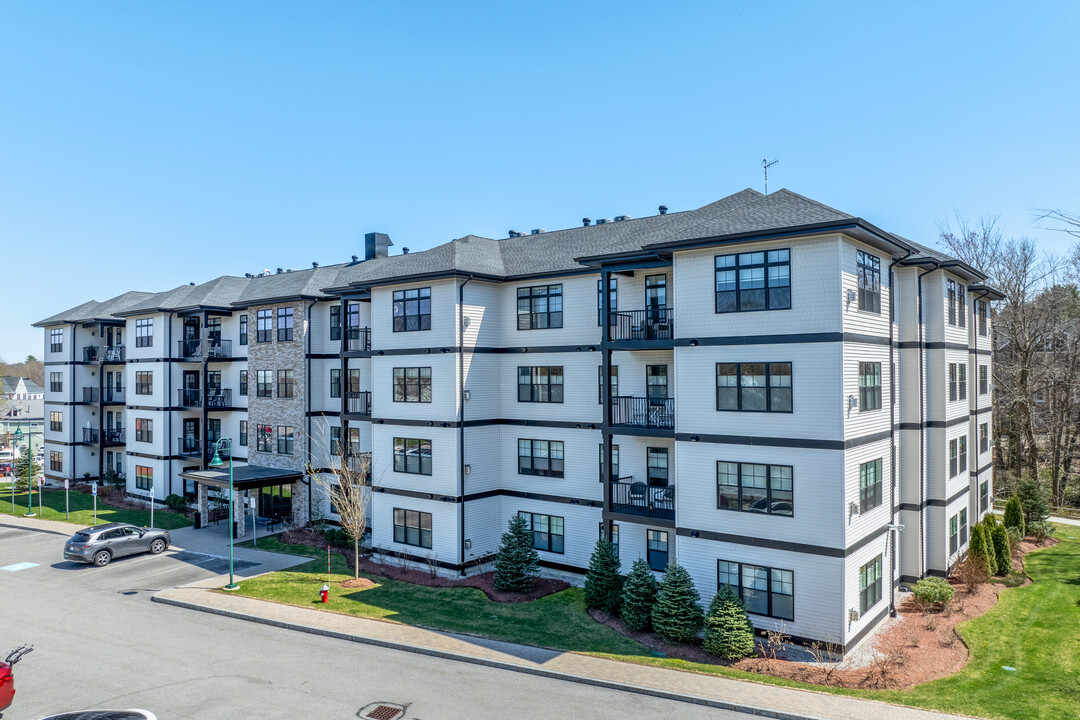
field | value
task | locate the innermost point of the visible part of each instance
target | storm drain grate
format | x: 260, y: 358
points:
x: 381, y: 711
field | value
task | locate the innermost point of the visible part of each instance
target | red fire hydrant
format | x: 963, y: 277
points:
x: 324, y: 593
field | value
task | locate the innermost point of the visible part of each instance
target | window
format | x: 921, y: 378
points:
x: 412, y: 310
x: 753, y: 387
x: 952, y: 459
x: 656, y: 465
x: 56, y: 340
x: 540, y: 457
x: 285, y: 439
x: 954, y: 535
x: 335, y: 322
x: 264, y: 435
x: 412, y: 528
x: 869, y: 386
x: 144, y: 382
x: 963, y: 527
x: 144, y: 477
x: 984, y: 379
x: 354, y: 440
x: 539, y: 307
x: 961, y: 381
x: 56, y: 421
x: 870, y: 485
x: 614, y: 462
x: 412, y: 456
x: 764, y: 591
x: 264, y: 385
x: 656, y: 548
x: 352, y: 315
x: 982, y: 317
x: 984, y: 437
x: 547, y: 531
x: 540, y: 384
x: 600, y: 383
x: 868, y: 269
x: 656, y: 385
x: 144, y: 430
x: 213, y: 380
x: 614, y: 536
x: 284, y: 324
x: 335, y: 382
x: 950, y: 300
x: 869, y: 585
x: 412, y: 384
x: 285, y: 383
x: 753, y: 281
x: 961, y: 305
x: 984, y: 496
x: 56, y: 461
x: 655, y: 295
x: 264, y: 324
x: 56, y: 382
x: 213, y: 330
x: 243, y: 330
x: 751, y: 487
x: 243, y: 382
x: 613, y: 288
x: 335, y: 440
x: 963, y: 452
x: 243, y: 433
x: 144, y: 332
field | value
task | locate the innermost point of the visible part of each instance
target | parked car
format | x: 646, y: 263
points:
x: 101, y: 543
x: 133, y: 714
x: 7, y: 675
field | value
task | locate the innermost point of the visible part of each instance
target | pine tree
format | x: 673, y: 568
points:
x: 1002, y: 556
x: 1033, y: 500
x: 677, y: 616
x: 728, y: 631
x: 639, y: 596
x: 1014, y: 514
x: 603, y: 584
x: 517, y: 562
x: 980, y: 547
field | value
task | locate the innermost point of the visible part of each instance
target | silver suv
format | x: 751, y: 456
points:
x: 101, y: 543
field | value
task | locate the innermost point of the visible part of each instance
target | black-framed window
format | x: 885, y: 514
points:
x: 144, y: 332
x: 144, y: 477
x: 243, y: 382
x: 56, y: 340
x: 540, y: 384
x: 656, y: 466
x: 656, y: 549
x: 335, y: 322
x: 961, y: 380
x: 264, y: 325
x: 961, y: 305
x: 984, y: 437
x: 982, y: 317
x: 264, y: 438
x: 540, y: 457
x: 954, y: 534
x: 656, y: 382
x: 243, y: 433
x: 412, y: 527
x: 952, y: 382
x: 335, y: 382
x: 984, y: 496
x: 286, y: 438
x: 600, y: 382
x: 144, y: 430
x: 335, y: 440
x: 950, y: 300
x: 352, y: 439
x: 614, y: 462
x: 868, y: 269
x: 243, y: 330
x: 284, y: 324
x: 213, y: 330
x: 412, y: 309
x: 613, y: 288
x: 754, y: 387
x: 264, y: 385
x: 56, y: 382
x: 753, y: 281
x: 764, y: 590
x: 412, y: 455
x: 547, y: 531
x: 870, y: 485
x: 962, y: 452
x: 286, y: 384
x: 869, y: 585
x: 755, y: 487
x: 539, y: 307
x: 56, y: 421
x: 352, y: 315
x: 984, y: 379
x: 412, y: 384
x: 144, y: 382
x: 869, y: 386
x: 614, y: 535
x: 963, y: 527
x: 213, y: 380
x: 56, y: 461
x: 352, y: 381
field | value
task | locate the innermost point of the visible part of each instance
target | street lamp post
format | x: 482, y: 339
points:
x: 221, y: 444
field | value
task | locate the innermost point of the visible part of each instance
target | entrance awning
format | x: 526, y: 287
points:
x: 245, y: 477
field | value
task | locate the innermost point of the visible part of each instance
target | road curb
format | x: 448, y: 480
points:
x: 442, y: 654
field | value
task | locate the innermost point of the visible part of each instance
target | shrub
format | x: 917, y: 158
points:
x: 1014, y: 514
x: 517, y: 562
x: 980, y: 547
x: 1014, y: 579
x: 1002, y: 554
x: 1015, y: 537
x: 990, y: 521
x: 973, y: 571
x: 677, y: 615
x: 603, y: 584
x: 728, y: 632
x: 1033, y: 500
x: 1041, y: 530
x: 933, y: 591
x: 338, y: 537
x: 639, y: 596
x: 176, y: 502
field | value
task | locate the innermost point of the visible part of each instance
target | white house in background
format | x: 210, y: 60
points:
x: 794, y: 401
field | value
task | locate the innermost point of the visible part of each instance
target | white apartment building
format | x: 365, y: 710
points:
x: 794, y: 401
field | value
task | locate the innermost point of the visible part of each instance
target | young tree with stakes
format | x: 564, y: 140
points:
x: 348, y: 487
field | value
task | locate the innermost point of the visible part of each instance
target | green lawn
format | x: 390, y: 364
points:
x: 1033, y: 629
x: 82, y: 510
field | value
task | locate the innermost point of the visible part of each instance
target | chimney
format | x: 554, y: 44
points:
x: 663, y: 209
x: 376, y: 245
x: 585, y: 222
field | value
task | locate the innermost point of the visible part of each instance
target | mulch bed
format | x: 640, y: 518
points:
x: 483, y: 582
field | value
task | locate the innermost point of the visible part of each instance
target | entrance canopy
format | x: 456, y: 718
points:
x: 245, y: 477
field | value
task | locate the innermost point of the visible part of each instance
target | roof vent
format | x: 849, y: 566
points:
x: 537, y: 231
x: 585, y: 222
x: 279, y: 271
x: 192, y: 284
x: 247, y: 275
x: 602, y: 221
x: 620, y: 218
x: 355, y: 258
x: 663, y: 209
x: 314, y: 264
x: 404, y: 251
x: 514, y: 234
x: 289, y: 270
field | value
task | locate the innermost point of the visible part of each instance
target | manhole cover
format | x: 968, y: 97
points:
x: 381, y: 711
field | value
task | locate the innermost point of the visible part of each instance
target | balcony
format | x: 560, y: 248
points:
x: 637, y: 498
x: 188, y: 446
x: 90, y: 353
x: 113, y: 395
x: 643, y: 412
x: 643, y: 325
x: 90, y: 435
x: 112, y: 436
x: 90, y: 395
x: 217, y: 397
x: 114, y: 354
x: 358, y: 403
x: 197, y: 349
x: 358, y: 339
x: 189, y: 397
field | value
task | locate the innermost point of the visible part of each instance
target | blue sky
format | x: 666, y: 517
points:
x: 146, y: 145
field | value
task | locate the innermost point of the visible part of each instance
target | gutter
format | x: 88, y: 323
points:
x: 461, y: 419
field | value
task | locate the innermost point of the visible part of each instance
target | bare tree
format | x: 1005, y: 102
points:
x: 1070, y: 221
x: 346, y: 482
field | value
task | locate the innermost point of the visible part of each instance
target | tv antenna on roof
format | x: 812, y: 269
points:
x: 766, y: 165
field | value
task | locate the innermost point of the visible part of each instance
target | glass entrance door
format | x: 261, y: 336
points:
x: 275, y: 501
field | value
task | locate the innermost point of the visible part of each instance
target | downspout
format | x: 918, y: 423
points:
x: 101, y: 402
x: 461, y: 417
x: 922, y: 425
x: 74, y: 452
x: 605, y: 369
x: 307, y: 399
x: 168, y: 394
x: 892, y: 432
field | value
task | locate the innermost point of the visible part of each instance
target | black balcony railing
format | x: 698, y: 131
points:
x: 210, y: 348
x: 219, y: 349
x: 643, y: 412
x: 358, y: 403
x: 638, y: 498
x: 189, y: 397
x: 113, y: 395
x: 652, y: 324
x: 112, y: 436
x: 90, y: 353
x: 90, y: 435
x: 114, y: 354
x: 358, y: 339
x: 219, y: 397
x: 90, y: 394
x: 188, y: 446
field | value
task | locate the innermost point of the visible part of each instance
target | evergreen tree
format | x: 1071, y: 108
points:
x: 639, y: 596
x: 517, y: 562
x: 603, y: 584
x: 1033, y: 500
x: 980, y: 547
x: 1002, y: 556
x: 1014, y: 514
x: 728, y: 631
x: 677, y: 616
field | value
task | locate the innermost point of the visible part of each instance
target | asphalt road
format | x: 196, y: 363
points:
x: 100, y: 642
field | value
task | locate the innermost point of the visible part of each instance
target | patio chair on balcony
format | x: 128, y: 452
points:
x: 638, y: 492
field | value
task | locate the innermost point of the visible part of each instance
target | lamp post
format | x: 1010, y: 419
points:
x: 221, y: 444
